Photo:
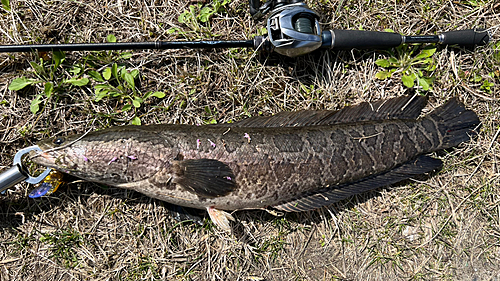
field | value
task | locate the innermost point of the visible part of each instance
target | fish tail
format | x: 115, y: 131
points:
x: 455, y: 123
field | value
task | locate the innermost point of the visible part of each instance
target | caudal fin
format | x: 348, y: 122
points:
x: 455, y: 123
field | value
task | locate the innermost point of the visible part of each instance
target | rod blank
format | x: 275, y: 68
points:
x: 159, y: 45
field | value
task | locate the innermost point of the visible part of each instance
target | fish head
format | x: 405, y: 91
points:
x: 110, y: 156
x: 61, y: 153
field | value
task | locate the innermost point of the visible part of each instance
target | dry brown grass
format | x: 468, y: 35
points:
x: 443, y: 227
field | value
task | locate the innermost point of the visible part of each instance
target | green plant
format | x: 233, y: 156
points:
x: 106, y: 57
x: 197, y: 16
x: 52, y: 77
x: 415, y: 65
x: 62, y: 244
x: 486, y: 86
x: 119, y: 83
x: 6, y: 5
x: 112, y: 82
x: 474, y: 3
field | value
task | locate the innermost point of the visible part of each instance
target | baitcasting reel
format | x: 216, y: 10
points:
x: 293, y: 29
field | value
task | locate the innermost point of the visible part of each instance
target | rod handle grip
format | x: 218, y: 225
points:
x: 467, y: 37
x: 360, y: 39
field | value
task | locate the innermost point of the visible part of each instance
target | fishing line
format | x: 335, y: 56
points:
x: 66, y: 145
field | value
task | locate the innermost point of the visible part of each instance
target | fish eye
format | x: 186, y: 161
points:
x: 58, y: 141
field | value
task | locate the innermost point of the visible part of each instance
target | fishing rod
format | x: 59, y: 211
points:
x: 293, y: 29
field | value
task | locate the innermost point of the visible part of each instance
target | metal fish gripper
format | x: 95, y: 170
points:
x: 18, y: 173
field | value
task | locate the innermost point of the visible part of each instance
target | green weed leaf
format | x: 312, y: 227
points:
x: 134, y: 73
x: 48, y: 89
x: 205, y: 14
x: 393, y: 61
x: 383, y: 63
x: 114, y: 70
x: 426, y: 53
x: 101, y: 91
x: 126, y: 55
x: 100, y: 95
x: 107, y: 73
x: 431, y: 67
x: 35, y: 104
x: 77, y: 82
x: 262, y: 31
x: 96, y: 75
x: 172, y: 30
x: 486, y: 87
x: 111, y: 38
x: 38, y: 67
x: 19, y: 83
x: 159, y: 95
x: 127, y: 107
x: 58, y: 58
x: 130, y: 80
x: 137, y: 102
x: 425, y: 82
x: 383, y: 75
x: 136, y: 121
x: 76, y: 70
x: 408, y: 81
x: 476, y: 78
x: 187, y: 16
x: 101, y: 87
x: 6, y: 5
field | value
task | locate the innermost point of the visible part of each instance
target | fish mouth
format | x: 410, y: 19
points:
x: 42, y: 158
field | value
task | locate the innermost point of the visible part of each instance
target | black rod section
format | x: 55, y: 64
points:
x: 159, y: 45
x: 421, y: 39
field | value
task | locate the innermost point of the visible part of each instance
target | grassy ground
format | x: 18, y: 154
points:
x: 443, y: 227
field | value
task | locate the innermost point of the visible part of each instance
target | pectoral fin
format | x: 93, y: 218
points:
x: 204, y: 177
x: 220, y: 218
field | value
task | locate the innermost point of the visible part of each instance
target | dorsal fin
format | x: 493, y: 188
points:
x: 406, y: 107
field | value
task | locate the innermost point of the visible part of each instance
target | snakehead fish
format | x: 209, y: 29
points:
x: 292, y: 161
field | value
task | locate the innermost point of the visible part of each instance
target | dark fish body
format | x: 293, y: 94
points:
x: 291, y: 161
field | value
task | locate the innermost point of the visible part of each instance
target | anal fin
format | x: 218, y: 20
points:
x: 220, y: 218
x: 328, y: 196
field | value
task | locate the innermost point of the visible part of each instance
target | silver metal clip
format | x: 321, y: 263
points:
x: 17, y: 173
